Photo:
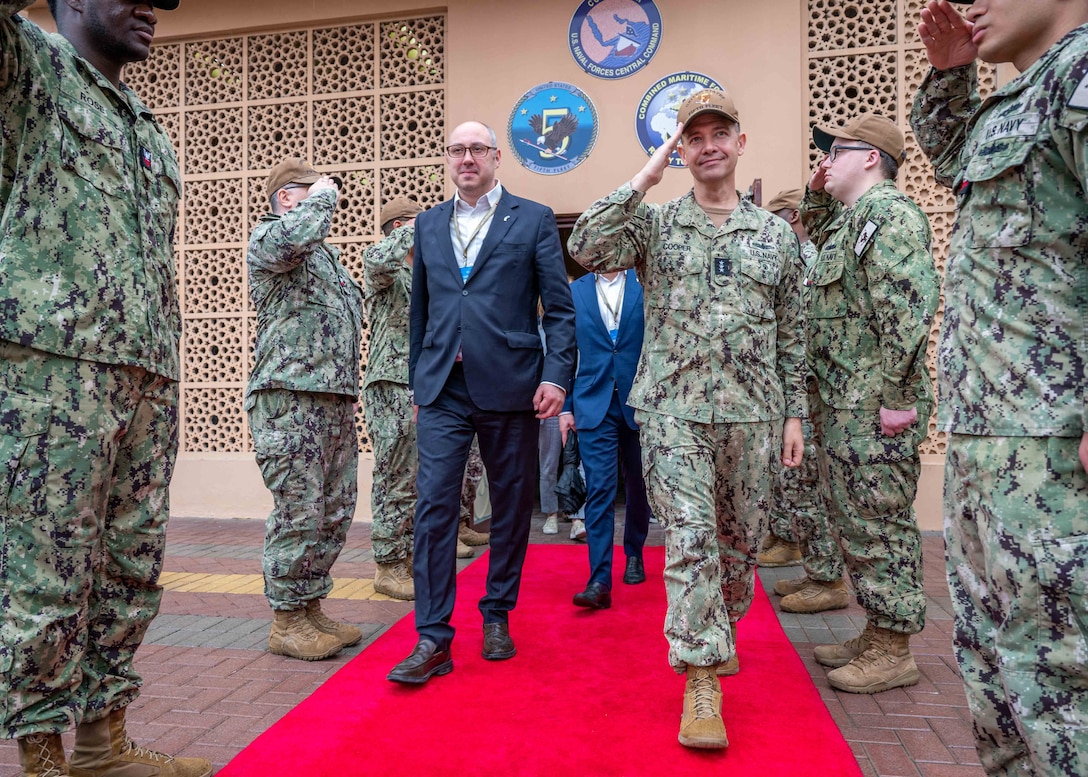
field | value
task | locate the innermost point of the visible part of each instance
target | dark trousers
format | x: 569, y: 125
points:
x: 508, y: 442
x: 612, y: 443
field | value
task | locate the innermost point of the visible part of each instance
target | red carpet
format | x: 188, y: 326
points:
x: 589, y: 693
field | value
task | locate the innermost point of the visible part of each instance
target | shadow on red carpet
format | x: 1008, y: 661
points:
x: 589, y: 693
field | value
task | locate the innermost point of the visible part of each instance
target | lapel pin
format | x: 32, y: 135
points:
x: 505, y: 218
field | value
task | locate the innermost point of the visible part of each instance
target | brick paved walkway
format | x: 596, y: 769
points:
x: 211, y: 687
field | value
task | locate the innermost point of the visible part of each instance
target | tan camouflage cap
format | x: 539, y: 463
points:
x: 294, y: 170
x: 869, y: 128
x: 708, y: 101
x: 399, y: 207
x: 790, y: 199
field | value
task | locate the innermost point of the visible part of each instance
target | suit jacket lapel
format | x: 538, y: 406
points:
x: 589, y: 300
x: 631, y: 302
x: 501, y: 221
x: 443, y: 214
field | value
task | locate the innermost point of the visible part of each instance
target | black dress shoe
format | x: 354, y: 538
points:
x: 635, y: 572
x: 596, y: 597
x: 424, y: 663
x: 497, y: 643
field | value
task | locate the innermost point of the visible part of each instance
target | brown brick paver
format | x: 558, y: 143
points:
x: 210, y: 686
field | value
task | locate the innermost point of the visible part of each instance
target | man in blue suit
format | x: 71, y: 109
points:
x: 476, y: 367
x: 608, y: 330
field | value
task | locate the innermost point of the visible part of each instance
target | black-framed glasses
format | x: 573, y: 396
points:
x: 478, y: 151
x: 833, y: 154
x: 296, y: 186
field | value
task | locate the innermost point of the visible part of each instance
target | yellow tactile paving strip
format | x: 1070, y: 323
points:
x: 202, y: 583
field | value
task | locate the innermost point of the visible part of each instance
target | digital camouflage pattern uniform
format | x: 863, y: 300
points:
x: 301, y: 396
x: 474, y: 473
x: 799, y: 507
x: 387, y: 402
x: 872, y: 296
x: 722, y: 365
x: 1012, y: 364
x: 89, y: 331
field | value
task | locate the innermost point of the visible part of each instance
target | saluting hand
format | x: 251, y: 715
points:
x: 946, y: 35
x: 651, y: 174
x: 324, y: 182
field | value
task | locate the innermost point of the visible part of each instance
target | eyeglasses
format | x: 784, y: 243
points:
x: 477, y: 151
x: 834, y: 152
x: 296, y: 186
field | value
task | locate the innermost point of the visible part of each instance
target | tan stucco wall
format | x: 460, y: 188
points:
x: 495, y: 52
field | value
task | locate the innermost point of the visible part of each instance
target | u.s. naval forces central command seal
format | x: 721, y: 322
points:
x: 614, y: 38
x: 656, y: 118
x: 552, y: 128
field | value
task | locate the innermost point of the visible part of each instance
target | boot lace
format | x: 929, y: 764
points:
x: 143, y: 752
x: 50, y: 768
x: 703, y: 687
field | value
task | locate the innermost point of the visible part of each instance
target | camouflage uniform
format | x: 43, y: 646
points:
x: 1012, y: 362
x: 387, y: 402
x: 474, y: 473
x: 872, y: 296
x: 721, y: 366
x: 89, y: 335
x: 301, y: 395
x: 799, y: 508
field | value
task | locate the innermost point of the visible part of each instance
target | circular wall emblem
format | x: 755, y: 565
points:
x: 614, y: 38
x: 552, y: 128
x: 656, y: 118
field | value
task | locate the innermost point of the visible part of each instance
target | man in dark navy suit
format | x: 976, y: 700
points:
x: 609, y: 328
x: 476, y: 367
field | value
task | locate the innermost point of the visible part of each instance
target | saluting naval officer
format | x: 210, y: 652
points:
x: 719, y: 386
x: 872, y: 295
x: 1012, y: 367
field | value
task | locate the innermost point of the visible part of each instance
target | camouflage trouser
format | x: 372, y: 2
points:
x: 1016, y: 527
x: 799, y: 513
x: 873, y: 481
x: 308, y: 453
x: 388, y: 410
x: 474, y: 472
x: 87, y: 451
x: 709, y: 486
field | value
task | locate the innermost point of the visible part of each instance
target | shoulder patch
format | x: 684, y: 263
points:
x: 1079, y: 99
x: 865, y: 237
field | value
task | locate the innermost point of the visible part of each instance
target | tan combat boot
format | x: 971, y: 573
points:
x: 782, y: 553
x: 347, y: 634
x: 464, y: 551
x: 886, y: 663
x: 792, y: 585
x: 732, y: 666
x: 103, y: 749
x: 818, y: 596
x: 295, y: 637
x: 701, y: 725
x: 42, y: 755
x: 395, y: 580
x: 841, y: 655
x: 471, y: 537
